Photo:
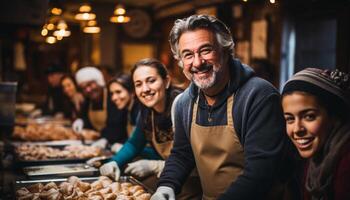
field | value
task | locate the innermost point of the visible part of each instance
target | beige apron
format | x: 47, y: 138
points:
x: 191, y: 189
x: 98, y: 118
x: 163, y: 149
x: 218, y: 154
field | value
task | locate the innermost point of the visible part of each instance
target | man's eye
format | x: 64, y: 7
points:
x: 188, y: 55
x: 206, y: 51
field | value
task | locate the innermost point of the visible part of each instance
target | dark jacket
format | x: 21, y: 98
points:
x: 258, y: 122
x: 115, y: 129
x: 56, y: 102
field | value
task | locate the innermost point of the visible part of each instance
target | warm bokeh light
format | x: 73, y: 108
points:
x: 85, y: 16
x: 61, y: 33
x: 62, y: 25
x: 119, y: 10
x: 272, y: 1
x: 120, y: 19
x: 51, y: 40
x: 50, y: 26
x: 59, y: 37
x: 85, y: 8
x: 92, y: 23
x: 44, y: 32
x: 91, y: 29
x: 56, y: 11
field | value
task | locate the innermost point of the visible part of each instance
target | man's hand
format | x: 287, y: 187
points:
x: 164, y: 193
x: 111, y: 170
x: 143, y: 168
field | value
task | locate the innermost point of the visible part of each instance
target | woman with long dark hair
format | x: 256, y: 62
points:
x: 154, y: 125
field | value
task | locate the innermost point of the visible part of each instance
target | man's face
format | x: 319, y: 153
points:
x: 201, y: 58
x: 54, y: 79
x: 91, y: 90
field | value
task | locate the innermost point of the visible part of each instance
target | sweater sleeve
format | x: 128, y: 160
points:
x: 181, y: 160
x: 261, y: 129
x: 132, y: 147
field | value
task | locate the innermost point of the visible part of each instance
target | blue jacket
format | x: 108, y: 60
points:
x: 259, y: 124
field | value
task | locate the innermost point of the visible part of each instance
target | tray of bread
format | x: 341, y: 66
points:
x: 51, y: 132
x: 94, y: 188
x: 32, y: 154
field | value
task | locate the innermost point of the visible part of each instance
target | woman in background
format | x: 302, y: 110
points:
x: 316, y: 109
x: 121, y: 89
x: 76, y: 98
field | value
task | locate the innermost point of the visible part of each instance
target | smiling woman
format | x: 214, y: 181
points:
x: 316, y: 109
x: 154, y: 125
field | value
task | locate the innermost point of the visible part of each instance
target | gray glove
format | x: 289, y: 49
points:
x: 111, y: 170
x: 116, y: 147
x: 164, y: 193
x: 143, y: 168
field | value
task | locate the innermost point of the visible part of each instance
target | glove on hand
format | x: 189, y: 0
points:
x: 78, y: 125
x: 116, y: 147
x: 143, y: 168
x: 110, y: 169
x: 164, y: 193
x: 101, y: 143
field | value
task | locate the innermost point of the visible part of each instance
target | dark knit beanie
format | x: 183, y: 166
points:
x: 332, y: 87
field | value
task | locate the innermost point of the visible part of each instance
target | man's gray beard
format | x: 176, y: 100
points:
x: 209, y: 82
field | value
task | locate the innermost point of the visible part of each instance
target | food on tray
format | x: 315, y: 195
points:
x: 104, y: 188
x: 30, y: 152
x: 48, y: 132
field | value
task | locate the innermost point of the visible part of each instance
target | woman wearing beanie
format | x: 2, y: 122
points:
x: 316, y: 109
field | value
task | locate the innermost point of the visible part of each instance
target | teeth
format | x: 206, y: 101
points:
x: 303, y: 141
x: 149, y: 96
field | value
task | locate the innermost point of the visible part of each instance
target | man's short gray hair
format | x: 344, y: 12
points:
x: 194, y: 22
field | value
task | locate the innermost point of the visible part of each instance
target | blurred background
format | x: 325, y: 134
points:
x: 276, y: 37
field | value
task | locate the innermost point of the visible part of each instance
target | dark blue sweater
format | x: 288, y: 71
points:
x: 259, y: 124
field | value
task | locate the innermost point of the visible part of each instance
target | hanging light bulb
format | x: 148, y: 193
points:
x: 119, y: 10
x: 50, y: 26
x: 59, y: 37
x: 85, y: 14
x: 120, y: 19
x: 85, y: 8
x: 91, y: 27
x: 51, y: 40
x: 44, y: 31
x: 62, y: 25
x: 61, y: 33
x: 119, y: 15
x: 56, y: 11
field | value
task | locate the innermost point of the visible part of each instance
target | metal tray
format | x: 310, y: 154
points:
x: 56, y: 143
x: 42, y: 120
x: 64, y: 170
x: 23, y: 183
